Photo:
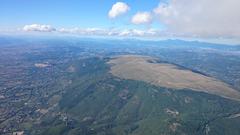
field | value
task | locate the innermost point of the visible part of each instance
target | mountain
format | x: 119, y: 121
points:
x: 68, y: 87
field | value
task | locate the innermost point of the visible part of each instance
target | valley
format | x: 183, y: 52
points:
x: 102, y: 88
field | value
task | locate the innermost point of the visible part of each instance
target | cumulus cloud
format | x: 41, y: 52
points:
x: 39, y: 28
x: 200, y: 18
x: 118, y: 8
x: 142, y: 18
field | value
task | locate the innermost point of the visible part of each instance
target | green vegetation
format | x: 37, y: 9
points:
x: 98, y: 103
x: 57, y: 87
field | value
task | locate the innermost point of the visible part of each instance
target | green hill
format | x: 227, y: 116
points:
x: 97, y: 103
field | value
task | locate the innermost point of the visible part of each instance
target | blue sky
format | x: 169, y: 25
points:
x: 195, y: 19
x: 67, y: 13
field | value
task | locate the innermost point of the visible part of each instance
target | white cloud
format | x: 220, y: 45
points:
x: 86, y: 31
x: 94, y: 31
x: 124, y: 33
x: 142, y: 18
x: 138, y: 33
x: 118, y: 8
x: 110, y: 32
x: 201, y: 18
x: 38, y: 28
x: 131, y: 32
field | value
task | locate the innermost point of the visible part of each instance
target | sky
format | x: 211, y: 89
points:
x: 203, y: 19
x: 67, y: 13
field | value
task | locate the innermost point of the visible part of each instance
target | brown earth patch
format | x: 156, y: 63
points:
x: 138, y: 67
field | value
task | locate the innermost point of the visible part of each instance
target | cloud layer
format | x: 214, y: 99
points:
x: 200, y: 18
x: 84, y: 31
x: 180, y: 18
x: 92, y: 31
x: 110, y: 32
x: 39, y: 28
x: 118, y: 9
x: 142, y: 18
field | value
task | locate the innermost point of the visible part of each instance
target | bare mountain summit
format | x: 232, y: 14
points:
x: 147, y: 69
